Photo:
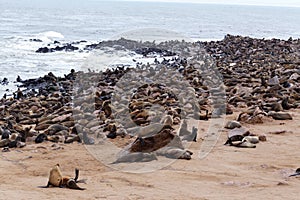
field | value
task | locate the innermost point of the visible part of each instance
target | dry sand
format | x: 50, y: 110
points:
x: 226, y: 173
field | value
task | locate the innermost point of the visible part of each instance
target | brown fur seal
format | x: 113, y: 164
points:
x: 57, y: 180
x: 55, y: 177
x: 53, y: 129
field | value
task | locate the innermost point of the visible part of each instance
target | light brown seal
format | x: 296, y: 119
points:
x: 56, y: 179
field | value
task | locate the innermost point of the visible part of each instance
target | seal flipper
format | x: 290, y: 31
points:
x: 47, y: 186
x: 76, y: 174
x: 297, y: 173
x: 72, y: 185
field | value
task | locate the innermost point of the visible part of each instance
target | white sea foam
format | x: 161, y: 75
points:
x: 50, y: 35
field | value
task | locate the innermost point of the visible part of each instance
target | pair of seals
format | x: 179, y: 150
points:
x: 56, y: 179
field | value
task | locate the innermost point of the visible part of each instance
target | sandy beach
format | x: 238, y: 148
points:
x: 149, y: 99
x: 226, y: 173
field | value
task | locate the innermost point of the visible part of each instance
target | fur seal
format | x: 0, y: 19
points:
x: 183, y: 129
x: 150, y: 130
x: 168, y: 121
x: 56, y: 179
x: 56, y: 138
x: 14, y: 136
x: 135, y: 157
x: 5, y: 149
x: 175, y: 153
x: 86, y: 139
x: 280, y: 115
x: 244, y: 144
x: 40, y: 138
x: 112, y: 135
x: 4, y: 143
x: 5, y: 134
x: 252, y: 139
x: 204, y: 117
x: 53, y: 129
x: 233, y: 124
x: 286, y: 105
x: 192, y: 136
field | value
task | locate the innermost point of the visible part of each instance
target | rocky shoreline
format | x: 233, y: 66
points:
x: 260, y: 80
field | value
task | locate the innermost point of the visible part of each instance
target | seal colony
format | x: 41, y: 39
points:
x: 261, y: 81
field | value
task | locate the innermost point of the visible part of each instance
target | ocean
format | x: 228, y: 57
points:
x: 96, y: 20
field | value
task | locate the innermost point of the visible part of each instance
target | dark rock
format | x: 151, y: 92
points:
x: 36, y: 40
x: 44, y: 50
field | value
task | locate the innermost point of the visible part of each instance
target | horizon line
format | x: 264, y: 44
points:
x: 212, y: 3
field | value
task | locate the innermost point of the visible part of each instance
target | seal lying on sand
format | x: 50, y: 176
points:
x: 56, y: 179
x: 135, y: 157
x: 175, y: 153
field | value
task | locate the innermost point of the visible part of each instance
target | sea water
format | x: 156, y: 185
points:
x: 96, y: 20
